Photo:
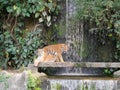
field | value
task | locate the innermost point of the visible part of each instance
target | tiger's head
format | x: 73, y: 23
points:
x: 64, y: 48
x: 39, y: 51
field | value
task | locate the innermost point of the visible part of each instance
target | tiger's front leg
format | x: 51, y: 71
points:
x: 60, y: 58
x: 39, y: 59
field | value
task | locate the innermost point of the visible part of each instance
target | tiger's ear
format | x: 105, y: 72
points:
x: 67, y: 47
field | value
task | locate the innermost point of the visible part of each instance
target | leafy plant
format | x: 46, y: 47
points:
x: 108, y: 72
x: 22, y: 54
x: 17, y: 44
x: 43, y: 10
x: 33, y: 82
x: 3, y: 79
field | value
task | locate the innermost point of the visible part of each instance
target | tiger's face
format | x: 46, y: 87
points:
x: 64, y: 48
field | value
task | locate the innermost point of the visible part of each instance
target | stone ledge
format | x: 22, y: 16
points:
x: 80, y: 64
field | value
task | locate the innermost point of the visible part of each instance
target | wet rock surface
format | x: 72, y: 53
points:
x: 117, y: 73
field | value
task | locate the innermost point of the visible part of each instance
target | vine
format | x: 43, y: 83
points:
x: 105, y: 15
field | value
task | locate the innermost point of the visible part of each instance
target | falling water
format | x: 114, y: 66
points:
x: 74, y: 33
x: 81, y: 49
x: 75, y: 38
x: 81, y: 84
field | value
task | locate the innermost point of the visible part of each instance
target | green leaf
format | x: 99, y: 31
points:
x: 9, y: 9
x: 48, y: 24
x: 37, y: 15
x: 28, y: 14
x: 42, y: 8
x: 14, y: 7
x: 48, y: 18
x: 44, y: 13
x: 18, y: 11
x: 50, y: 1
x: 25, y: 50
x: 49, y: 5
x: 40, y: 20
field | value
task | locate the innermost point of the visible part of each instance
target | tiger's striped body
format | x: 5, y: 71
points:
x: 51, y: 53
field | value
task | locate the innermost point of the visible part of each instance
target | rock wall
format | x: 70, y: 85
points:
x: 15, y: 81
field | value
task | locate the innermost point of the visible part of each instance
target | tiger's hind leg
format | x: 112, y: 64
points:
x: 50, y: 58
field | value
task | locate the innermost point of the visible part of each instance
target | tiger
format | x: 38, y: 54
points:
x: 51, y: 53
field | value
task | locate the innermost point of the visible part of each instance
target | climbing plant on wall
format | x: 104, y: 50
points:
x: 104, y: 16
x: 17, y: 44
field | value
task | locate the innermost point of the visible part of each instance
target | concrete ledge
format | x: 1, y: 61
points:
x: 81, y: 64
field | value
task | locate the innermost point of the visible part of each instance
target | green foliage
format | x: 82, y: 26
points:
x: 108, y: 72
x: 33, y: 82
x: 104, y: 18
x: 18, y: 45
x: 56, y: 86
x: 43, y: 10
x: 22, y: 54
x: 3, y: 79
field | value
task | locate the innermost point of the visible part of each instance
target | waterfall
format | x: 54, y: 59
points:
x: 84, y: 85
x: 74, y: 33
x: 75, y: 40
x: 81, y: 84
x: 81, y: 50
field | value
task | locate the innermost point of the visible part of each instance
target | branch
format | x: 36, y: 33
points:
x: 11, y: 23
x: 36, y: 26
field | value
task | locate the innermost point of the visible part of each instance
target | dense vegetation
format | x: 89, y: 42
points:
x: 17, y: 43
x: 104, y: 18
